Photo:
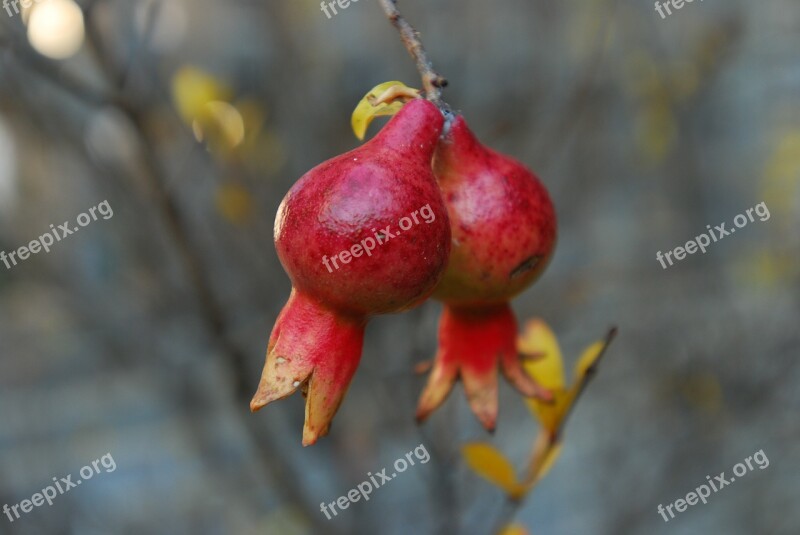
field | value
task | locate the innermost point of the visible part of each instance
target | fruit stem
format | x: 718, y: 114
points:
x: 431, y: 80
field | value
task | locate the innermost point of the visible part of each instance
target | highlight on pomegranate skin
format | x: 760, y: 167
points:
x: 343, y: 203
x: 504, y: 233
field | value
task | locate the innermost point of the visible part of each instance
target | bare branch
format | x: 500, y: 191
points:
x: 432, y: 81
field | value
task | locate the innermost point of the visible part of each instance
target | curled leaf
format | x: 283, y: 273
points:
x: 382, y: 100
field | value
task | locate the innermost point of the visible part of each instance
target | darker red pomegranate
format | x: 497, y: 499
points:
x: 504, y: 232
x: 364, y: 233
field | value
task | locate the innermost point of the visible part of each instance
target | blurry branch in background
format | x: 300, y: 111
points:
x: 211, y: 310
x: 136, y: 109
x: 581, y: 99
x: 14, y: 39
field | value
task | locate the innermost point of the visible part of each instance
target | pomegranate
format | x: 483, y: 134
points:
x: 343, y: 235
x: 504, y: 232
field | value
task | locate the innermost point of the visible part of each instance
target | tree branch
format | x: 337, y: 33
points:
x: 53, y: 73
x: 585, y: 380
x: 211, y: 309
x: 432, y: 81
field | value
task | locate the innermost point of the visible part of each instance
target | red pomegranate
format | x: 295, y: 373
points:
x: 364, y: 233
x: 504, y: 232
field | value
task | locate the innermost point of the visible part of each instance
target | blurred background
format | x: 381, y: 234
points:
x: 144, y: 335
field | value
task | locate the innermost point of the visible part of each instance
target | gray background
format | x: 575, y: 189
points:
x: 644, y: 130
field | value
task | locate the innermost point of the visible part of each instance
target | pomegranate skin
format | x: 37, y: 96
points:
x: 357, y: 198
x: 504, y: 233
x: 314, y: 348
x: 502, y: 218
x: 354, y: 196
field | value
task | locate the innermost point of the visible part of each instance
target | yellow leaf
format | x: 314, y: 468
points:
x: 254, y: 116
x: 550, y: 415
x: 284, y: 520
x: 489, y: 463
x: 223, y: 128
x: 538, y: 340
x: 547, y: 368
x: 703, y: 391
x: 588, y: 358
x: 769, y: 268
x: 514, y: 529
x: 235, y: 203
x: 782, y: 174
x: 656, y: 129
x: 193, y: 89
x: 366, y: 111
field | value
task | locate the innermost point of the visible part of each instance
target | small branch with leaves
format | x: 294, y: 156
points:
x: 543, y: 361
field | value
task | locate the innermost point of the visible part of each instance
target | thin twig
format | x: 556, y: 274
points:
x: 211, y: 308
x: 51, y: 71
x: 432, y: 81
x: 585, y: 380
